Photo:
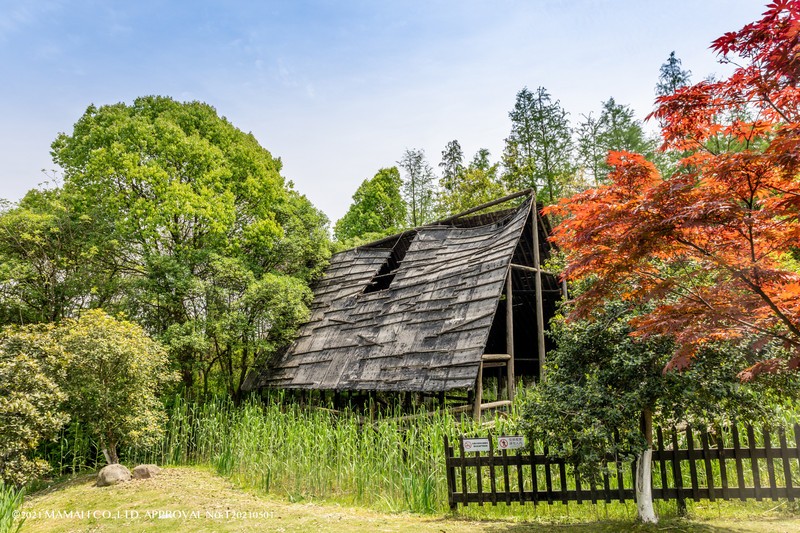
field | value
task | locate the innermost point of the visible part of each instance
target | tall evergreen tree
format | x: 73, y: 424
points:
x: 475, y: 185
x: 671, y: 77
x: 538, y: 150
x: 419, y: 189
x: 616, y: 129
x: 452, y: 165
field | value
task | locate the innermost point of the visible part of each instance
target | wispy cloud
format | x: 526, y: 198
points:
x: 17, y: 15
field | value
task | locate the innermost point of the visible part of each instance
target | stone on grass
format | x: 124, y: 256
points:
x: 145, y: 471
x: 112, y: 474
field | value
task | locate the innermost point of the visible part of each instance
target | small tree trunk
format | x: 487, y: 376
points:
x: 644, y: 490
x: 110, y: 453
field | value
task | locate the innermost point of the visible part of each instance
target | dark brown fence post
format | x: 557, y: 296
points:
x: 492, y: 481
x: 464, y: 492
x: 707, y: 463
x: 737, y: 456
x: 787, y: 467
x: 480, y: 477
x: 506, y: 484
x: 548, y: 476
x: 662, y: 463
x: 520, y: 477
x: 751, y: 444
x: 723, y: 469
x: 769, y: 452
x: 450, y: 471
x: 692, y: 466
x: 677, y: 475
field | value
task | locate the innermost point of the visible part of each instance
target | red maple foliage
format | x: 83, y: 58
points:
x: 708, y: 244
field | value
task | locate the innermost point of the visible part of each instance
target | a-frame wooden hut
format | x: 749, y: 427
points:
x: 430, y: 310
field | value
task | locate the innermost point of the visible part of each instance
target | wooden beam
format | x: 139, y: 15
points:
x: 532, y: 269
x: 481, y: 207
x: 538, y: 285
x: 510, y: 334
x: 489, y: 405
x: 494, y: 405
x: 496, y: 357
x: 476, y: 407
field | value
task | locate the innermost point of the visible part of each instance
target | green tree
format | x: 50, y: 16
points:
x: 53, y: 262
x: 452, y: 165
x: 616, y: 129
x: 473, y: 186
x: 418, y: 187
x: 672, y: 77
x: 377, y: 209
x: 114, y: 373
x: 31, y: 369
x: 538, y: 151
x: 590, y: 153
x: 176, y: 189
x: 601, y: 381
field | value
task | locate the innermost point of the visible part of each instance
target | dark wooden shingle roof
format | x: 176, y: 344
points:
x: 426, y: 331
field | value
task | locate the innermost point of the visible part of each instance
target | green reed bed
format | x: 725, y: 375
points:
x: 387, y: 463
x: 10, y: 501
x: 282, y: 448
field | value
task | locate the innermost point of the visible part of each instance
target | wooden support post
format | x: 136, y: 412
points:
x: 476, y: 407
x: 564, y: 289
x: 538, y: 279
x: 510, y: 335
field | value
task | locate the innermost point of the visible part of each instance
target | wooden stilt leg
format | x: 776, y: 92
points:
x: 476, y: 408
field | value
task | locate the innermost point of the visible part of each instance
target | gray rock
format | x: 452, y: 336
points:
x: 146, y: 471
x: 112, y: 474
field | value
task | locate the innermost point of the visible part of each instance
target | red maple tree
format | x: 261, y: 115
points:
x: 714, y: 245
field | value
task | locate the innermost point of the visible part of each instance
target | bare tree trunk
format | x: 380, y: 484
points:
x: 110, y: 453
x: 644, y: 482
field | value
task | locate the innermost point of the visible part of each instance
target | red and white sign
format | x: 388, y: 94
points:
x: 476, y: 445
x: 510, y: 442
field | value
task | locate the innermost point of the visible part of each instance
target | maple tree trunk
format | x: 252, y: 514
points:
x: 644, y: 490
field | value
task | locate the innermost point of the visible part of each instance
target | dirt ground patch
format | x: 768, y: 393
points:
x: 195, y: 499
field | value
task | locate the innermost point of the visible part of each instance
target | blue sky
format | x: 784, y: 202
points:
x: 339, y: 89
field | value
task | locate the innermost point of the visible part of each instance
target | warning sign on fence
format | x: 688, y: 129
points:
x: 510, y: 443
x: 476, y: 445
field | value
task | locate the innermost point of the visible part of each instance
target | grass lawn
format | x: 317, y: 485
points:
x: 196, y: 499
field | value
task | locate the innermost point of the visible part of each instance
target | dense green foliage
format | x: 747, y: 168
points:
x: 600, y: 380
x: 472, y: 186
x: 98, y: 372
x: 169, y: 214
x: 538, y: 152
x: 615, y: 129
x: 378, y: 207
x: 114, y: 373
x: 31, y: 372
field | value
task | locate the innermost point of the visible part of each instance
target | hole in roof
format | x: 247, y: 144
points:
x: 383, y: 279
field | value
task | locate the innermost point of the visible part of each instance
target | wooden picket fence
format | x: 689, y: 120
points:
x: 726, y: 463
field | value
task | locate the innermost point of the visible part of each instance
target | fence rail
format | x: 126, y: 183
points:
x: 724, y: 463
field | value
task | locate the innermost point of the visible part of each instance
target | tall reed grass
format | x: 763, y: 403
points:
x: 277, y: 446
x: 10, y: 501
x: 303, y: 453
